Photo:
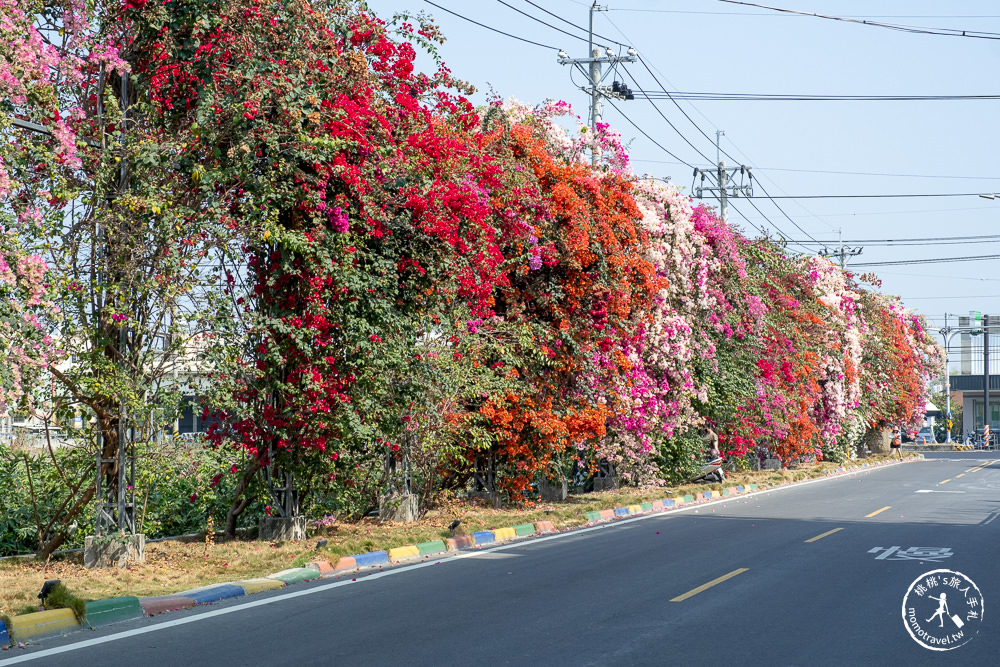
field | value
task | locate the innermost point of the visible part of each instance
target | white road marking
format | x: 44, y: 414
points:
x: 936, y: 491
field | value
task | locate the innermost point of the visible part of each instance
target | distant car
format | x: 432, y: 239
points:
x: 925, y: 437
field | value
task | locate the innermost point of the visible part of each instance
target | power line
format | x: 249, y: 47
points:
x: 483, y: 25
x: 578, y: 27
x: 932, y: 260
x: 793, y: 97
x: 915, y: 29
x: 533, y: 18
x: 880, y: 196
x: 645, y: 134
x: 930, y: 240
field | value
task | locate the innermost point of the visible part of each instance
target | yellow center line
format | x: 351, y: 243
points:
x: 868, y: 516
x: 705, y: 587
x: 822, y: 535
x: 961, y: 474
x: 945, y: 481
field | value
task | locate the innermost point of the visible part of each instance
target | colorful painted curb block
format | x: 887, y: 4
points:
x: 593, y: 516
x: 4, y: 637
x: 252, y: 586
x: 295, y: 575
x: 621, y: 511
x: 753, y: 487
x: 688, y: 499
x: 705, y: 495
x: 634, y: 509
x: 524, y: 529
x: 113, y: 610
x: 401, y: 553
x: 160, y: 604
x: 371, y: 558
x: 544, y: 527
x: 432, y: 547
x: 345, y: 563
x: 456, y: 543
x: 657, y: 505
x: 504, y: 534
x: 646, y: 507
x: 216, y: 593
x: 321, y: 566
x: 607, y: 514
x: 668, y: 503
x: 739, y: 489
x: 483, y: 537
x: 27, y: 627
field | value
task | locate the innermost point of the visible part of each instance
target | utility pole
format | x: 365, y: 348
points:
x: 595, y: 77
x: 986, y: 380
x: 719, y: 181
x: 841, y: 251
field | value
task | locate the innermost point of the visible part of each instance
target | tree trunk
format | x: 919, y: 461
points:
x: 877, y: 440
x: 239, y: 502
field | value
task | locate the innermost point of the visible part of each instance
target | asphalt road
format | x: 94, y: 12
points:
x: 636, y: 592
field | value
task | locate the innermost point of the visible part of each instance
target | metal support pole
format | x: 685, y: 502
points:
x: 986, y: 373
x: 723, y: 191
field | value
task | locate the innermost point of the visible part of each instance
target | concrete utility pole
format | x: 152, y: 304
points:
x: 841, y: 251
x: 721, y: 183
x: 986, y: 379
x: 595, y: 76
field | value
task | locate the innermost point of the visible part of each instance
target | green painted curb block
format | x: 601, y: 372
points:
x: 593, y: 516
x: 432, y: 547
x: 753, y: 487
x: 295, y: 575
x: 113, y: 610
x: 689, y: 499
x: 647, y: 507
x: 524, y: 529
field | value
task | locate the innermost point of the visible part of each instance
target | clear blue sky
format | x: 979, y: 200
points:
x: 712, y: 46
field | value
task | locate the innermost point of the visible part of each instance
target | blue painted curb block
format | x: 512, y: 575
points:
x: 372, y: 558
x: 708, y: 495
x: 4, y: 637
x: 484, y: 537
x: 739, y: 489
x: 667, y: 503
x: 215, y: 593
x: 621, y: 511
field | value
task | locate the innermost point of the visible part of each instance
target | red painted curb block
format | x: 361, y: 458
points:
x: 544, y: 527
x: 164, y: 603
x: 322, y: 566
x: 700, y: 497
x: 456, y: 543
x: 346, y: 563
x: 657, y: 505
x: 607, y: 514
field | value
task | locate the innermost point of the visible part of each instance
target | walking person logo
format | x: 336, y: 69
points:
x: 942, y: 610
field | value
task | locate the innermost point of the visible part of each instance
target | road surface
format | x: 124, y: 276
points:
x: 803, y: 575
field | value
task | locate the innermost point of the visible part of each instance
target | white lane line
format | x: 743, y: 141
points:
x: 936, y: 491
x: 406, y: 568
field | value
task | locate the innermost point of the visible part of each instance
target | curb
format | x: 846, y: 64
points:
x: 113, y: 610
x: 213, y: 593
x: 253, y: 586
x: 294, y: 575
x: 161, y: 604
x: 4, y: 637
x: 27, y: 627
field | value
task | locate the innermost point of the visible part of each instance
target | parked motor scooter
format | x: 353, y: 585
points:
x: 711, y: 472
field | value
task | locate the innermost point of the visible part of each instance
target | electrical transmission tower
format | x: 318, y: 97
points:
x: 595, y: 76
x: 842, y: 252
x: 719, y: 180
